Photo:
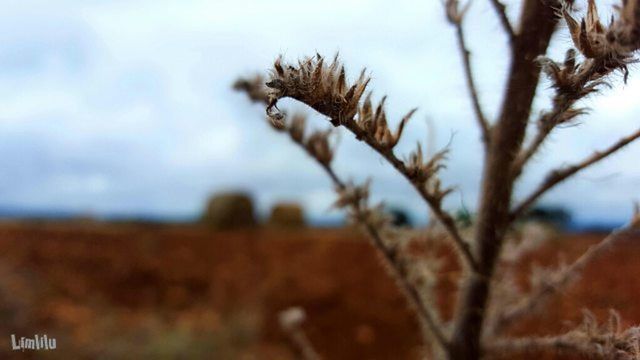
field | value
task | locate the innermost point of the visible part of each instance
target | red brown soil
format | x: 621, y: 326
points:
x: 183, y: 291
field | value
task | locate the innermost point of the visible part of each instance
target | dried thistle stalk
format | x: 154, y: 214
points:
x: 324, y: 87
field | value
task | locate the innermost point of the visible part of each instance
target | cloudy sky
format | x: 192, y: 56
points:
x: 125, y: 107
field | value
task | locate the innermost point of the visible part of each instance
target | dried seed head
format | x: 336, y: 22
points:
x: 323, y: 87
x: 420, y: 170
x: 564, y: 77
x: 375, y: 217
x: 616, y: 41
x: 353, y: 195
x: 424, y: 173
x: 629, y: 29
x: 436, y: 191
x: 588, y: 35
x: 297, y: 127
x: 573, y: 81
x: 277, y: 120
x: 355, y: 199
x: 318, y: 146
x: 326, y: 89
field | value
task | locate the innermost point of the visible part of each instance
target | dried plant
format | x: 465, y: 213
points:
x: 489, y: 301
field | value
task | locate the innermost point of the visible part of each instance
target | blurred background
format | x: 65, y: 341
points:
x: 118, y: 117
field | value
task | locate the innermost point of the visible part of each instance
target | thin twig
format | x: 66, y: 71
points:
x: 473, y: 91
x: 557, y: 176
x: 501, y: 10
x: 536, y: 345
x: 536, y: 299
x: 589, y: 339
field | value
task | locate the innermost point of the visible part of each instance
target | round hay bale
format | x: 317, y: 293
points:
x: 225, y: 211
x: 287, y: 215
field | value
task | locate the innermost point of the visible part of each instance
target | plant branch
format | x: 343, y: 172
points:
x: 455, y: 17
x: 324, y: 88
x: 544, y: 130
x: 537, y: 345
x: 559, y: 175
x: 428, y: 318
x: 432, y: 200
x: 572, y: 82
x: 537, y: 24
x: 569, y: 344
x: 562, y: 279
x: 589, y: 339
x: 389, y: 255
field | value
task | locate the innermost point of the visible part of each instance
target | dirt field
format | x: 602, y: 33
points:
x: 132, y: 291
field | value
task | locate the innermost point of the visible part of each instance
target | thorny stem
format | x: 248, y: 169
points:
x: 505, y: 159
x: 389, y: 257
x: 530, y: 303
x: 559, y: 175
x: 433, y: 202
x: 465, y: 54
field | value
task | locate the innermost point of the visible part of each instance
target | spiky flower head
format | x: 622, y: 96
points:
x: 324, y: 88
x: 615, y: 41
x: 321, y: 86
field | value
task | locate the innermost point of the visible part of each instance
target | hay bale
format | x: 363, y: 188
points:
x: 225, y: 211
x: 287, y: 215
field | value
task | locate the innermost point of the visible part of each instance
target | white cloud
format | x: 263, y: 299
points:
x: 127, y: 104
